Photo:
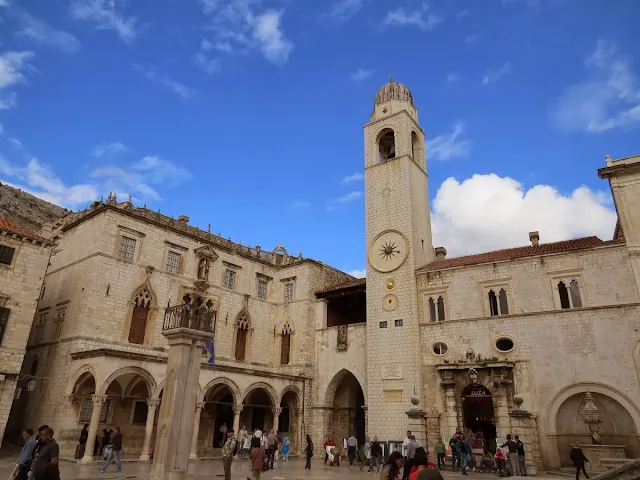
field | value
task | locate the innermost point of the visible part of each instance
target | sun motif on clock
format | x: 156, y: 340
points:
x: 388, y: 251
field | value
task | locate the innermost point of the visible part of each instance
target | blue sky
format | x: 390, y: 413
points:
x: 248, y: 114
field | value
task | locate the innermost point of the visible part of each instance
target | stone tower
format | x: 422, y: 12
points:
x: 398, y: 242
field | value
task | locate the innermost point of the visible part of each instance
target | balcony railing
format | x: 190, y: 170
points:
x: 190, y: 316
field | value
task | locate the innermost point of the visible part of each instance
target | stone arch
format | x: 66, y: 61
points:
x: 636, y: 359
x: 235, y: 391
x: 417, y: 148
x: 338, y: 377
x: 296, y: 392
x: 264, y: 386
x: 146, y: 285
x: 386, y: 143
x: 344, y: 400
x: 141, y: 315
x: 241, y: 346
x: 146, y: 376
x: 71, y: 385
x: 564, y: 394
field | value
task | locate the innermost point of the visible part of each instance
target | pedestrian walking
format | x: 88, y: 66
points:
x: 23, y: 467
x: 441, y: 451
x: 228, y: 451
x: 45, y: 466
x: 257, y: 458
x: 578, y: 459
x: 309, y: 452
x: 115, y: 447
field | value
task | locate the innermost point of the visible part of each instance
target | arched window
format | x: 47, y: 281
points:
x: 242, y: 329
x: 140, y: 316
x: 285, y: 346
x: 498, y: 303
x: 436, y: 308
x: 574, y: 288
x: 569, y: 297
x: 503, y: 303
x: 416, y: 147
x: 441, y: 316
x: 564, y: 295
x: 432, y: 310
x: 493, y: 303
x: 387, y: 144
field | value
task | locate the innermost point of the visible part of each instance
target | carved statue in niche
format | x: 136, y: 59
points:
x: 342, y: 337
x: 203, y: 269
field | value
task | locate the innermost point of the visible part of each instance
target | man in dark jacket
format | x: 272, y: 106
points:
x: 116, y: 448
x: 45, y: 466
x: 376, y: 453
x: 578, y: 459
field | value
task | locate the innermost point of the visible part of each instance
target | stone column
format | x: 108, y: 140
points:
x: 524, y: 425
x: 276, y: 417
x: 98, y: 402
x: 450, y: 414
x: 236, y: 418
x: 152, y: 404
x: 175, y: 425
x: 503, y: 423
x: 366, y: 420
x: 301, y: 441
x: 193, y: 452
x: 433, y: 428
x: 416, y: 424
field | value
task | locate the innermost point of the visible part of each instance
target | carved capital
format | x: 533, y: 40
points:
x: 237, y: 408
x: 98, y: 400
x: 153, y: 402
x: 199, y: 407
x: 73, y: 398
x: 276, y: 411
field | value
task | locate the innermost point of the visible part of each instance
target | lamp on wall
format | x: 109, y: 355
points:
x: 31, y: 385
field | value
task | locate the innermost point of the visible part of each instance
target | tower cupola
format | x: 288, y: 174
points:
x: 392, y: 98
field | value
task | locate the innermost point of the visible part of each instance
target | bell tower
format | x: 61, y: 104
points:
x: 398, y: 233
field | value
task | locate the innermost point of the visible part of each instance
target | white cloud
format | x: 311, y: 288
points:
x: 161, y: 171
x: 177, y: 87
x: 609, y: 98
x: 421, y: 18
x: 498, y: 213
x: 239, y: 26
x: 42, y: 34
x: 361, y: 74
x: 356, y: 177
x: 8, y: 100
x: 344, y: 199
x: 102, y: 14
x: 448, y: 146
x: 493, y: 75
x: 1, y: 129
x: 13, y: 66
x: 114, y: 148
x: 267, y: 32
x: 207, y: 64
x: 299, y: 205
x: 358, y: 273
x: 344, y: 10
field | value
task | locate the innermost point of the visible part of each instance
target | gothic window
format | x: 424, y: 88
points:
x: 6, y: 254
x: 140, y: 316
x: 436, y: 308
x: 502, y: 302
x: 262, y: 287
x: 4, y: 320
x: 416, y: 147
x: 59, y: 321
x: 203, y: 269
x: 38, y: 329
x: 229, y: 279
x: 569, y: 297
x: 173, y: 262
x: 127, y: 248
x: 498, y: 303
x: 242, y: 330
x: 288, y: 292
x: 387, y: 144
x: 285, y: 346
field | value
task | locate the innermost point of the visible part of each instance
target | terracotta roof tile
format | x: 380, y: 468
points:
x: 356, y: 282
x: 518, y: 252
x: 9, y: 227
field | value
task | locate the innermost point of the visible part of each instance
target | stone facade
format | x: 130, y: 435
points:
x: 24, y: 257
x: 495, y: 343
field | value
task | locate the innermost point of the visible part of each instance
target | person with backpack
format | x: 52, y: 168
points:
x: 229, y: 450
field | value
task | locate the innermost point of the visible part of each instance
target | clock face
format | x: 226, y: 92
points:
x: 388, y: 251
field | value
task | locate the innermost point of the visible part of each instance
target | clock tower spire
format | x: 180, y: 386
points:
x: 398, y: 233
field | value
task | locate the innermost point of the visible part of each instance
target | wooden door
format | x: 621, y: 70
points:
x: 138, y: 324
x: 241, y: 343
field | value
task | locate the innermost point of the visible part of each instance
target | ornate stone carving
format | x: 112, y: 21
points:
x: 199, y: 407
x: 153, y: 402
x: 342, y: 337
x: 98, y: 400
x: 237, y: 408
x: 592, y: 418
x: 276, y: 411
x: 207, y: 252
x: 201, y: 285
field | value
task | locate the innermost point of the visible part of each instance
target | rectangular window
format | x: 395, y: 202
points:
x: 140, y: 410
x: 4, y: 320
x: 383, y: 324
x: 127, y: 248
x: 398, y: 323
x: 6, y: 254
x: 262, y: 288
x: 288, y: 292
x: 229, y: 279
x: 173, y: 262
x: 87, y: 408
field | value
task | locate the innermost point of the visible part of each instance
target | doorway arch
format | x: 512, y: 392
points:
x: 346, y: 399
x: 478, y: 415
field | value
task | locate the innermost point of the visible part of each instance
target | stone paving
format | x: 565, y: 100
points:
x: 293, y: 470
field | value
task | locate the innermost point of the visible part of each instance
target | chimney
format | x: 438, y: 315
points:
x: 534, y: 237
x: 183, y: 219
x: 441, y: 253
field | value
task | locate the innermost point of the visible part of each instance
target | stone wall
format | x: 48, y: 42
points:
x: 20, y: 285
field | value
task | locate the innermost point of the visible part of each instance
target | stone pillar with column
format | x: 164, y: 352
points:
x: 193, y: 451
x: 186, y: 328
x: 98, y: 402
x: 152, y: 404
x: 276, y: 418
x: 366, y: 420
x: 433, y: 429
x: 237, y: 409
x: 416, y: 424
x: 523, y: 424
x: 300, y: 441
x: 503, y: 423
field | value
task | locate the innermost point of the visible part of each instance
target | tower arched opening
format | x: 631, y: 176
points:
x: 387, y: 144
x: 348, y: 415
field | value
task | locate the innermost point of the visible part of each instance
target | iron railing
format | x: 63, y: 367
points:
x: 189, y: 316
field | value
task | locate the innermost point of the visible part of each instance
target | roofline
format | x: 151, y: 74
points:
x: 605, y: 244
x: 129, y: 213
x: 621, y: 169
x: 329, y: 291
x: 26, y: 236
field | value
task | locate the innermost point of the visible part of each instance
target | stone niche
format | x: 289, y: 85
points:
x: 618, y: 431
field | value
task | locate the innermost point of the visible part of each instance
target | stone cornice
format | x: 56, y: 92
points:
x: 619, y: 170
